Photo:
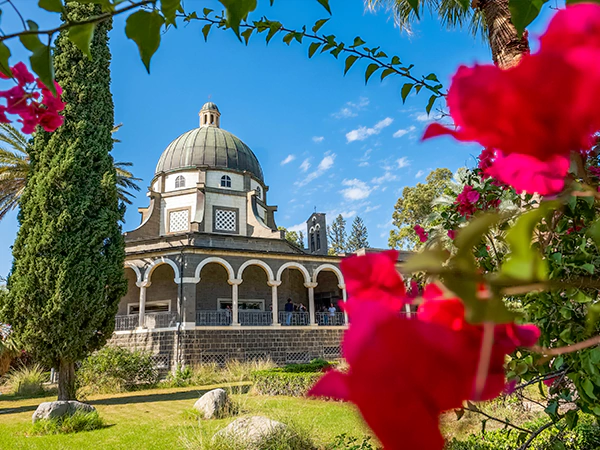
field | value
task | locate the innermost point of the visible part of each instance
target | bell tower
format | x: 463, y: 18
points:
x: 210, y: 116
x: 316, y: 232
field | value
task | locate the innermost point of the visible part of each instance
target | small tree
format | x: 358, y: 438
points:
x: 67, y: 277
x: 295, y: 238
x: 359, y: 236
x: 337, y: 235
x: 414, y: 206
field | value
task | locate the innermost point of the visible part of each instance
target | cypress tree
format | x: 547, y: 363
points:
x: 337, y: 235
x: 67, y: 276
x: 359, y: 236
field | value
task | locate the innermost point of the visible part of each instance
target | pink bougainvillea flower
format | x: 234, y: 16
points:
x: 466, y: 201
x: 373, y: 278
x: 452, y: 234
x: 22, y: 74
x: 520, y: 111
x: 486, y: 158
x: 421, y: 233
x: 427, y: 365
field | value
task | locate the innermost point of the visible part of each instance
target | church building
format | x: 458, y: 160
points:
x: 210, y: 277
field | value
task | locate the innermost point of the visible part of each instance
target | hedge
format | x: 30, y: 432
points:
x: 280, y: 382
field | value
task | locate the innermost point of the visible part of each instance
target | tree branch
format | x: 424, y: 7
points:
x: 94, y: 19
x: 535, y: 434
x: 567, y: 348
x: 516, y: 427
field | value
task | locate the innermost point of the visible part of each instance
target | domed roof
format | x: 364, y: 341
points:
x: 209, y: 106
x: 209, y: 146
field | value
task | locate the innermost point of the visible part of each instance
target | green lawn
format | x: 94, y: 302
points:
x: 160, y: 419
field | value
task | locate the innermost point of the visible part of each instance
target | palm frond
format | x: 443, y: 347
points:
x: 13, y: 137
x: 125, y: 182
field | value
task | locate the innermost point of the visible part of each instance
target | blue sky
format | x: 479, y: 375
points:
x: 324, y: 141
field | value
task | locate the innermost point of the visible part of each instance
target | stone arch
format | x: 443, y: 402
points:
x: 214, y: 259
x: 159, y: 262
x: 136, y: 269
x: 294, y: 265
x: 331, y: 268
x: 257, y: 262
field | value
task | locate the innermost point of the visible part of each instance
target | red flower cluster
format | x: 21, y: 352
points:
x: 466, y: 201
x: 23, y: 100
x: 427, y: 365
x: 535, y: 114
x: 423, y: 235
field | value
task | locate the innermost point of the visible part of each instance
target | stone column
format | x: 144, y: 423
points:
x: 234, y: 301
x: 345, y: 298
x: 275, y: 302
x: 187, y: 315
x: 142, y: 313
x: 311, y: 302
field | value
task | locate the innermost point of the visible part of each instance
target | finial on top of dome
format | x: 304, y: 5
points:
x: 210, y: 116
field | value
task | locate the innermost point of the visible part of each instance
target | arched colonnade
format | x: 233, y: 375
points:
x: 235, y: 314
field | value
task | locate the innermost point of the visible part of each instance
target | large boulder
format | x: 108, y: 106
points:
x: 54, y: 410
x: 213, y: 405
x: 251, y: 431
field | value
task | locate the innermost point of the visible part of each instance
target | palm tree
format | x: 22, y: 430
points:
x: 489, y: 18
x: 14, y: 167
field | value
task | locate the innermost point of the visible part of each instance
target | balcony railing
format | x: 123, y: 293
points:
x: 294, y: 318
x: 213, y: 318
x: 255, y: 318
x: 126, y: 322
x: 161, y: 320
x: 336, y: 319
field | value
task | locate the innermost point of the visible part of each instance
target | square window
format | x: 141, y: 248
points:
x: 225, y: 220
x: 179, y: 221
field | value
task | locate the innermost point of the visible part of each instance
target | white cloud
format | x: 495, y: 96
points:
x: 369, y: 209
x: 325, y: 164
x: 423, y: 117
x: 356, y: 190
x: 362, y: 133
x: 350, y: 109
x: 305, y: 165
x: 299, y: 227
x: 419, y: 174
x: 404, y: 131
x: 363, y: 164
x: 388, y: 224
x: 318, y: 139
x: 288, y: 160
x: 387, y: 176
x: 403, y: 162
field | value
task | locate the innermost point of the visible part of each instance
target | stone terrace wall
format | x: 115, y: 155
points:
x: 284, y: 345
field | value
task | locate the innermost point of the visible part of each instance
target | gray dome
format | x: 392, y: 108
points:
x: 209, y: 146
x: 209, y: 106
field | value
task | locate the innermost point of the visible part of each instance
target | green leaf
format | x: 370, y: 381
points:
x: 336, y: 51
x: 41, y: 64
x: 51, y: 5
x: 589, y: 267
x: 406, y: 90
x: 588, y: 387
x: 414, y: 4
x: 313, y: 48
x: 237, y: 10
x: 246, y: 34
x: 350, y: 60
x: 206, y: 30
x: 288, y: 37
x: 386, y: 73
x: 325, y: 4
x: 466, y: 4
x: 169, y: 10
x: 31, y: 41
x: 371, y: 69
x: 430, y: 103
x: 427, y: 260
x: 523, y: 12
x: 143, y: 28
x: 207, y: 11
x: 4, y: 57
x: 81, y: 36
x: 274, y: 27
x: 432, y: 77
x: 594, y: 232
x: 357, y: 42
x: 319, y: 24
x: 580, y: 297
x: 524, y: 262
x: 395, y: 61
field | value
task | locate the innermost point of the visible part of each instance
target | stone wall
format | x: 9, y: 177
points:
x: 282, y: 345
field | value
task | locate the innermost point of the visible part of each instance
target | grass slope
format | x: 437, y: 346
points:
x: 160, y: 419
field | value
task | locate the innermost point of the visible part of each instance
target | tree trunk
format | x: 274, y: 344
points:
x: 507, y: 48
x: 66, y: 380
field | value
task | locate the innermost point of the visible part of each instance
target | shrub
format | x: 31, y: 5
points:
x: 280, y: 382
x: 69, y: 424
x: 345, y: 442
x: 207, y: 374
x: 116, y: 369
x: 27, y: 381
x: 316, y: 365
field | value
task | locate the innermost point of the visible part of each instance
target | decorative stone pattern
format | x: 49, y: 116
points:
x: 179, y: 221
x: 225, y: 220
x: 217, y: 345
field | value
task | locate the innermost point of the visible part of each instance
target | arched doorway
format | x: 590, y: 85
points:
x: 254, y: 302
x: 327, y: 298
x: 161, y: 298
x: 213, y: 296
x: 293, y: 280
x: 124, y: 319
